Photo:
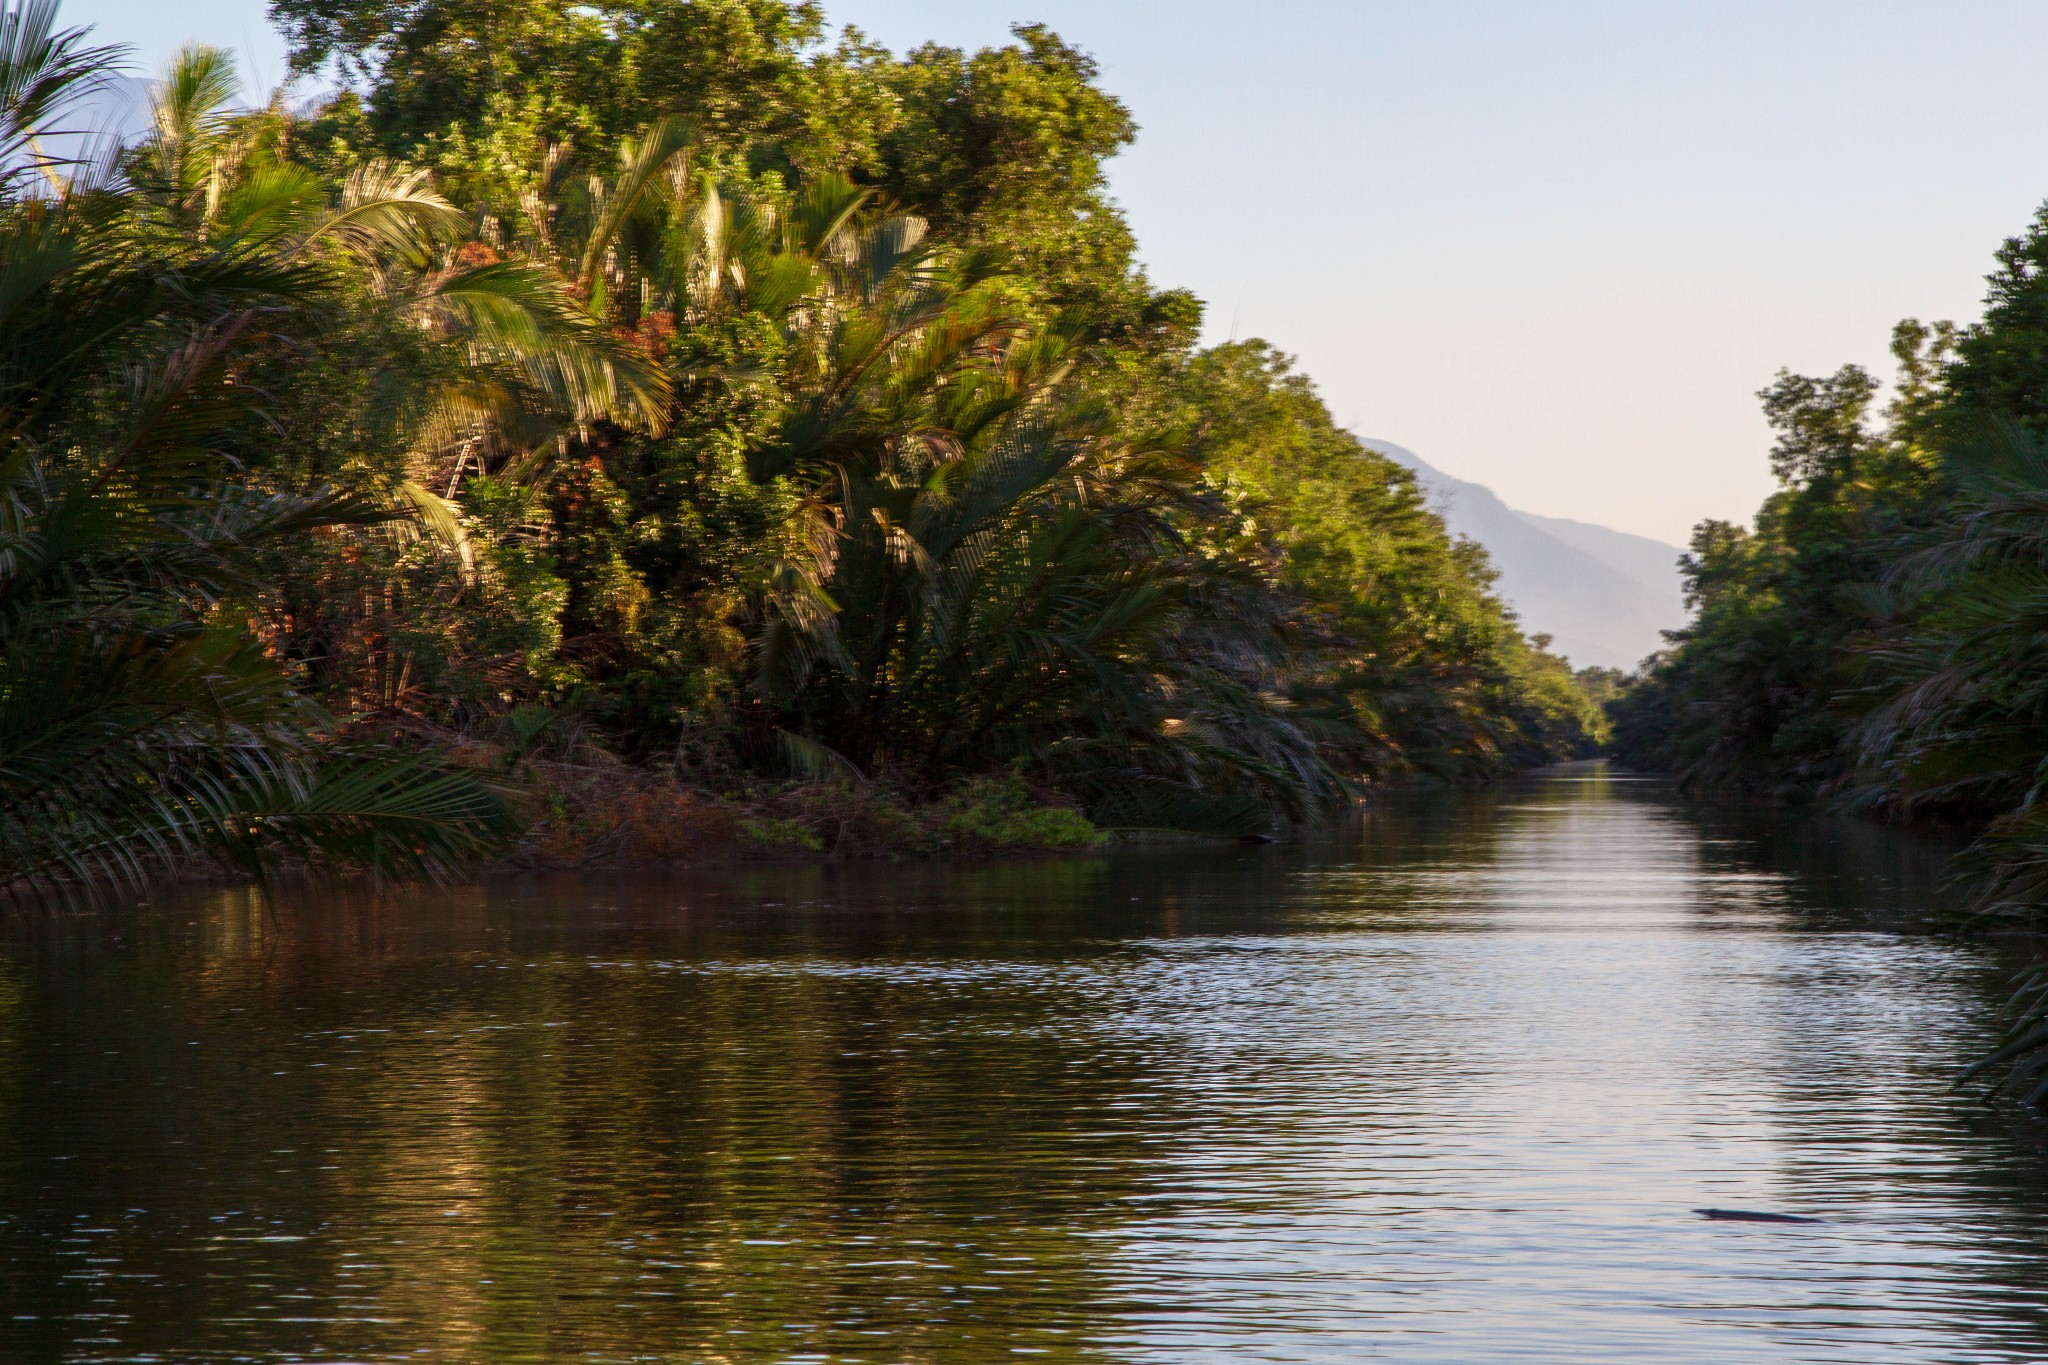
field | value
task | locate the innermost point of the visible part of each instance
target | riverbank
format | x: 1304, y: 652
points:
x: 579, y: 816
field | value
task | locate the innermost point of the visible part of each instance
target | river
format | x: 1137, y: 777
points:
x: 1446, y: 1087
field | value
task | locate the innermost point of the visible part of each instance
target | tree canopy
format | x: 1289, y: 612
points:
x: 719, y: 401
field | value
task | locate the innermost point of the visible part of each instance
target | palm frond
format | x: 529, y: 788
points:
x: 520, y: 315
x: 188, y: 114
x: 387, y: 210
x: 644, y: 164
x: 44, y: 73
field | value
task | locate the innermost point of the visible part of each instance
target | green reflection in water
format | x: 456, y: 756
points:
x: 528, y: 1152
x: 1432, y: 1086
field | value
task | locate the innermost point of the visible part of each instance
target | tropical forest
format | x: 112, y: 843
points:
x: 585, y: 416
x: 979, y: 773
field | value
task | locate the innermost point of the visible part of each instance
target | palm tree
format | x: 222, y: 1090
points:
x: 1957, y: 697
x: 479, y: 352
x: 1958, y: 715
x: 993, y: 581
x: 141, y: 723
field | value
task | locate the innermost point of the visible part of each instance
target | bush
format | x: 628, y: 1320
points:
x: 992, y: 813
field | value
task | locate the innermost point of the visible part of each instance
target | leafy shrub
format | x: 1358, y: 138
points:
x: 994, y: 813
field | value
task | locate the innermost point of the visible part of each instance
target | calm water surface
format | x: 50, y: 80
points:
x: 1444, y: 1089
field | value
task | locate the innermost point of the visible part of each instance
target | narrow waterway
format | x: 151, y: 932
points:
x: 1446, y: 1088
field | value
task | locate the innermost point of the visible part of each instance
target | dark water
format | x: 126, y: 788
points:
x: 1446, y: 1089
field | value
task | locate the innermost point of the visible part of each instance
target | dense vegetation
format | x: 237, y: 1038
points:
x: 657, y: 388
x: 1880, y: 639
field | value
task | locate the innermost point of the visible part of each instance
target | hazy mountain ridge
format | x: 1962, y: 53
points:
x: 1604, y: 596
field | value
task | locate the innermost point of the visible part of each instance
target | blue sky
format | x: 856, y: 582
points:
x: 1552, y: 247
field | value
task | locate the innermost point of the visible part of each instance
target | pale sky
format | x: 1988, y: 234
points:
x: 1552, y: 246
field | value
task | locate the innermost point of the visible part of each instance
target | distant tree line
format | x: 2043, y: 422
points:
x: 1879, y: 640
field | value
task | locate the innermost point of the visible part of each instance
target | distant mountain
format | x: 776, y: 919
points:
x: 1603, y: 596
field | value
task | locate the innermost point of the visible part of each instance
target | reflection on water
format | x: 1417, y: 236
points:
x: 1444, y: 1089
